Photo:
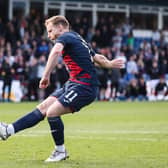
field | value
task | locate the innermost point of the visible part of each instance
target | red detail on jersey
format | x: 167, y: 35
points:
x: 77, y: 81
x: 74, y: 69
x: 86, y: 75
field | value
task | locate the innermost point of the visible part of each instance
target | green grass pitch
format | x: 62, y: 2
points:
x: 102, y: 135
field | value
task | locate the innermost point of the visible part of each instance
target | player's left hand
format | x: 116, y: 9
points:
x: 117, y: 63
x: 44, y: 83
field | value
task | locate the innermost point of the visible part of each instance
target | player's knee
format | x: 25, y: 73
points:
x: 54, y: 111
x: 51, y: 113
x: 42, y: 108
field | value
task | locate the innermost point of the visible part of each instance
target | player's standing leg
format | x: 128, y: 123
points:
x: 53, y: 112
x: 74, y: 96
x: 57, y: 131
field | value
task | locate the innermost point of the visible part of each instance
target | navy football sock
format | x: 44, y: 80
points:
x: 57, y: 129
x: 28, y: 120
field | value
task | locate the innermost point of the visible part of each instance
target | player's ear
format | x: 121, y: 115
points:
x: 60, y: 27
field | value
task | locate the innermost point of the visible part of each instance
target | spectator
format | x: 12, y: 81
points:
x: 11, y: 34
x: 33, y: 80
x: 76, y: 25
x: 7, y: 76
x: 156, y: 37
x: 162, y: 60
x: 40, y: 69
x: 61, y: 73
x: 23, y: 26
x: 2, y: 28
x: 126, y: 32
x: 161, y: 89
x: 145, y: 45
x: 43, y: 48
x: 132, y: 90
x: 26, y: 45
x: 154, y: 70
x: 2, y: 42
x: 142, y: 92
x: 19, y: 67
x: 130, y: 41
x: 1, y: 56
x: 114, y: 77
x: 105, y: 36
x: 117, y: 40
x: 97, y: 38
x: 85, y: 26
x: 102, y: 76
x: 131, y: 67
x: 10, y: 57
x: 141, y: 64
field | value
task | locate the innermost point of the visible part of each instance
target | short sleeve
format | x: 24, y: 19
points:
x: 64, y: 39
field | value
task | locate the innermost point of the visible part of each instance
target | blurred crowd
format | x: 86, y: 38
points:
x: 24, y: 49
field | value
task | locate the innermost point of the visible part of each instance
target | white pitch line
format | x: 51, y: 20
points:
x: 121, y: 132
x: 104, y: 132
x: 38, y: 133
x: 96, y: 138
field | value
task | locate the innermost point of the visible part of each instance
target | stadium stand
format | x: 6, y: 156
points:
x: 24, y: 48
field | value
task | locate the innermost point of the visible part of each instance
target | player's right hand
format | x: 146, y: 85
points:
x: 44, y: 83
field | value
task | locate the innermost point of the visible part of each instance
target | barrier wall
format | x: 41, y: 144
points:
x: 16, y: 91
x: 150, y: 86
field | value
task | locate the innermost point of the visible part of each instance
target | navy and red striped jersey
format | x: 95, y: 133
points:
x: 77, y: 58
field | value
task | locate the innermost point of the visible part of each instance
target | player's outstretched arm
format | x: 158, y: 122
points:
x: 51, y: 63
x: 103, y: 62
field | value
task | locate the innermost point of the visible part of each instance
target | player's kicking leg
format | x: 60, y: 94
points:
x: 57, y: 155
x: 27, y: 121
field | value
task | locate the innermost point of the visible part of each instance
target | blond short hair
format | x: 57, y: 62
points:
x: 56, y: 20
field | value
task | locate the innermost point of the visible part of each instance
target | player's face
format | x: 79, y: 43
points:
x: 53, y: 31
